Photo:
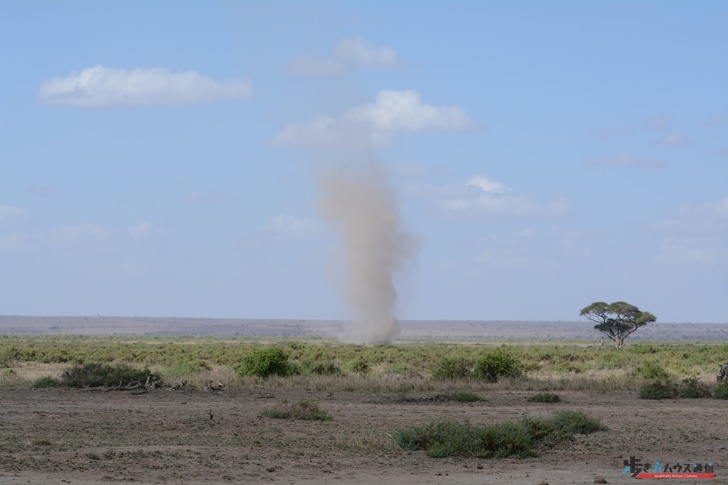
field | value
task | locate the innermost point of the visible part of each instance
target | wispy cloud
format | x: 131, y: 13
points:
x: 392, y: 113
x: 496, y: 200
x: 287, y: 225
x: 658, y: 123
x: 624, y: 160
x: 715, y: 119
x: 673, y: 139
x: 144, y: 230
x: 349, y: 54
x: 100, y: 86
x: 697, y: 233
x: 11, y: 216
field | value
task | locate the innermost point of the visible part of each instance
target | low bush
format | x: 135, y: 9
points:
x: 320, y: 368
x: 659, y: 390
x: 96, y: 375
x: 358, y: 366
x: 651, y: 370
x: 520, y: 439
x: 265, y: 363
x: 721, y: 392
x: 451, y: 368
x: 45, y: 382
x: 545, y: 397
x: 497, y: 364
x: 692, y: 388
x: 576, y: 422
x: 304, y: 409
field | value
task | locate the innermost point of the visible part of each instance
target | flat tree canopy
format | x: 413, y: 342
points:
x: 616, y: 320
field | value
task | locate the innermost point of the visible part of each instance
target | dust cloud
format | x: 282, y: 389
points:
x: 359, y: 203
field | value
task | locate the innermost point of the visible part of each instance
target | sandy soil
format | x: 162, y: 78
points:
x: 81, y: 437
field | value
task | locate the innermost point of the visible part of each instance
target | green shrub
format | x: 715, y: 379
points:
x: 451, y: 438
x: 451, y: 368
x: 95, y: 375
x: 721, y: 392
x: 659, y: 390
x: 651, y: 370
x: 464, y: 397
x: 358, y: 366
x: 545, y: 397
x: 576, y: 422
x: 497, y: 364
x: 185, y: 369
x: 320, y: 368
x: 266, y: 362
x: 304, y: 409
x: 691, y: 387
x: 45, y: 382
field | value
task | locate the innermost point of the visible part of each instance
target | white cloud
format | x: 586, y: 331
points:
x: 404, y: 111
x: 144, y: 230
x: 493, y: 199
x: 624, y: 160
x: 392, y: 113
x: 349, y: 54
x: 697, y: 233
x: 11, y: 216
x: 487, y: 185
x: 287, y: 225
x: 674, y: 139
x: 101, y: 86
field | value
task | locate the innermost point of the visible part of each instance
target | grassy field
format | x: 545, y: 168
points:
x: 325, y: 364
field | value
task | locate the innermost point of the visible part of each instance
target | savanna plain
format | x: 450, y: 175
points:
x: 106, y: 400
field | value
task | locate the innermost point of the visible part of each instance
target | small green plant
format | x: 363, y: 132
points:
x: 358, y: 366
x: 96, y: 375
x: 265, y: 363
x: 497, y: 364
x: 320, y: 368
x: 692, y: 388
x: 659, y: 390
x: 520, y: 439
x: 721, y: 392
x: 576, y: 422
x: 109, y: 454
x: 545, y: 397
x: 42, y: 442
x: 93, y: 456
x: 304, y: 409
x: 451, y: 368
x: 45, y: 382
x: 464, y: 397
x: 651, y: 370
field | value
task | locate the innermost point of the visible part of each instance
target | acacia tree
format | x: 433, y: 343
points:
x: 617, y: 320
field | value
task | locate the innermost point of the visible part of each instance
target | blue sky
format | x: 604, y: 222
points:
x: 160, y: 159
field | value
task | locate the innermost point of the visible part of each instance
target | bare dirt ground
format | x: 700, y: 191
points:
x: 165, y: 436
